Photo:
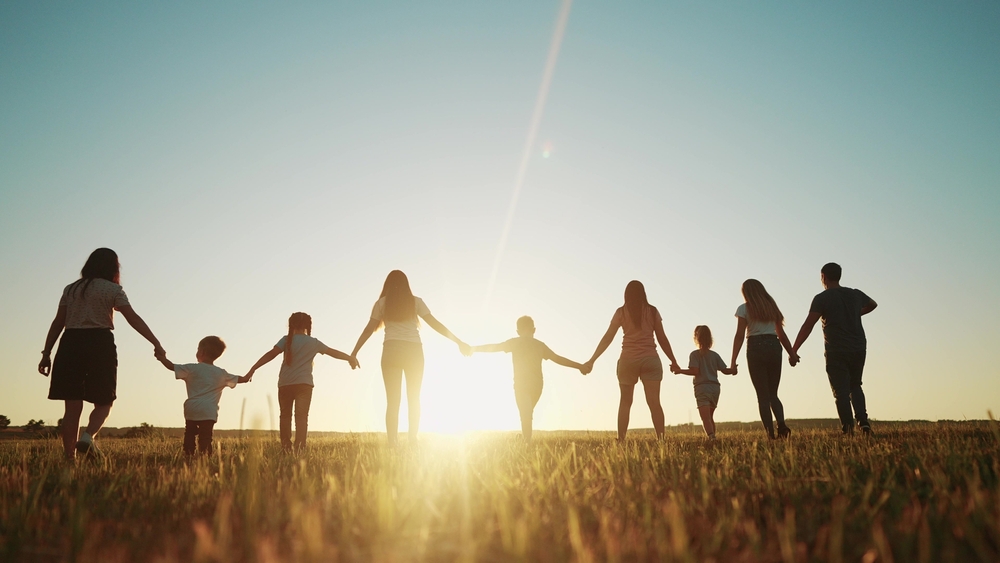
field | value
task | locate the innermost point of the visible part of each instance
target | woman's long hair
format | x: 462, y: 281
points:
x: 102, y: 263
x: 399, y: 302
x: 760, y: 305
x: 636, y: 304
x: 297, y: 321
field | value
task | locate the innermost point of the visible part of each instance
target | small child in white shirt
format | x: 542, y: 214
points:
x: 705, y: 365
x: 205, y: 382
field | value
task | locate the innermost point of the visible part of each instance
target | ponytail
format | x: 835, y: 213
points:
x: 297, y: 321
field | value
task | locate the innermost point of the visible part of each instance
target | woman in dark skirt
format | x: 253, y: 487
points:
x: 86, y: 364
x: 761, y: 322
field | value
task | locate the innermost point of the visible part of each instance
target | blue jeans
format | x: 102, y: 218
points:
x: 844, y: 368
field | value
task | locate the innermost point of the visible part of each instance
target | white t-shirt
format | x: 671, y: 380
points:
x: 205, y: 383
x: 304, y: 349
x: 755, y: 328
x: 408, y: 330
x: 94, y: 308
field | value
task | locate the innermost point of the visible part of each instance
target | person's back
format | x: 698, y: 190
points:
x: 637, y: 338
x: 840, y: 309
x: 527, y: 354
x: 300, y: 370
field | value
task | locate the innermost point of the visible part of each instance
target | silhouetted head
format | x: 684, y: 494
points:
x: 101, y: 264
x: 525, y: 326
x: 760, y: 305
x: 636, y: 303
x: 210, y: 348
x: 703, y: 337
x: 296, y: 322
x: 399, y: 303
x: 830, y: 274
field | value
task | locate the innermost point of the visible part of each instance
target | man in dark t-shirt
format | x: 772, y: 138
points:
x: 841, y: 309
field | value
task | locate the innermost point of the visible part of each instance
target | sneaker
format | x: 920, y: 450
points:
x: 784, y: 432
x: 866, y: 428
x: 85, y: 445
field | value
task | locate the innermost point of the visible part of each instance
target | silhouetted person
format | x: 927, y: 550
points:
x: 705, y: 365
x: 527, y: 354
x: 205, y: 382
x: 295, y: 379
x: 639, y: 321
x: 86, y: 365
x: 841, y: 309
x: 402, y: 353
x: 760, y: 321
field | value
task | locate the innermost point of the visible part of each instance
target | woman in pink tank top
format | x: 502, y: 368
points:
x: 640, y: 322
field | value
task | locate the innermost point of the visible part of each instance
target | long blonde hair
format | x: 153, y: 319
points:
x: 760, y: 305
x: 297, y: 321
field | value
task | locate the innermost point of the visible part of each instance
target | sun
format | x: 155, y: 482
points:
x: 462, y: 394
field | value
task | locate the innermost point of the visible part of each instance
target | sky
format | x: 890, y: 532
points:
x: 250, y: 161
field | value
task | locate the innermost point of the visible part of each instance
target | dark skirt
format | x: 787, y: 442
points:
x: 85, y: 367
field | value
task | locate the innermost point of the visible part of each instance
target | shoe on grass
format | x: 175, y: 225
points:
x: 85, y: 445
x: 866, y: 428
x: 784, y: 432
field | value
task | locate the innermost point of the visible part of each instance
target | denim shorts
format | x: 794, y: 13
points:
x: 631, y: 370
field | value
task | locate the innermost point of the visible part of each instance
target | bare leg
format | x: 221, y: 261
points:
x: 71, y: 427
x: 97, y: 418
x: 652, y: 390
x: 393, y: 379
x: 624, y: 410
x: 413, y: 383
x: 708, y: 419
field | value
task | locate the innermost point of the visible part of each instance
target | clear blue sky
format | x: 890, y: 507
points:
x: 247, y: 162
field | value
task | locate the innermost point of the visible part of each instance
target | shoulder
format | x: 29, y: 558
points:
x: 619, y: 314
x: 718, y: 358
x: 419, y: 304
x: 693, y: 355
x: 655, y: 313
x: 741, y: 311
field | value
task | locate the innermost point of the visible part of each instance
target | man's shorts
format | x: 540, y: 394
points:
x: 707, y: 395
x: 631, y: 370
x: 85, y: 367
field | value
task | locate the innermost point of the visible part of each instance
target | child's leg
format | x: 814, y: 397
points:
x: 707, y: 414
x: 71, y: 427
x: 190, y: 431
x: 527, y: 397
x: 205, y: 436
x: 285, y: 400
x: 303, y: 398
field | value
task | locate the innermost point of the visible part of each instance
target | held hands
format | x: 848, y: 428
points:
x: 674, y: 368
x: 464, y: 348
x: 793, y: 359
x: 586, y: 368
x: 159, y: 353
x: 355, y: 364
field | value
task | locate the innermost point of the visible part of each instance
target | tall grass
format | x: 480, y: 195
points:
x: 917, y: 492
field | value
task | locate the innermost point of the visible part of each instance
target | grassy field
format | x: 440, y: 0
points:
x: 917, y: 492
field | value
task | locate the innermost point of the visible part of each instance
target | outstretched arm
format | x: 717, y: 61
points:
x: 140, y: 326
x: 489, y: 348
x: 566, y: 363
x: 729, y: 371
x: 267, y: 357
x: 741, y: 330
x: 55, y: 329
x: 664, y: 343
x: 603, y: 344
x: 341, y: 356
x: 369, y: 329
x: 443, y: 331
x: 689, y: 371
x: 166, y: 363
x: 804, y: 332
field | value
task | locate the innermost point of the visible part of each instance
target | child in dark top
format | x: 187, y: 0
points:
x: 704, y: 364
x: 527, y: 354
x: 205, y: 382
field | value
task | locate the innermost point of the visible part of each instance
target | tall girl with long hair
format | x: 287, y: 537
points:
x: 640, y: 322
x: 760, y: 321
x: 86, y: 364
x: 402, y: 353
x: 295, y: 378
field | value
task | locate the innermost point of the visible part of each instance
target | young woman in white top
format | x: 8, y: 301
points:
x: 86, y: 364
x: 761, y: 322
x: 398, y: 310
x: 295, y: 379
x: 639, y: 322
